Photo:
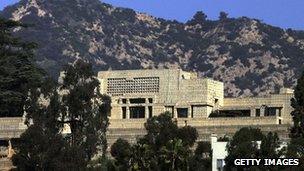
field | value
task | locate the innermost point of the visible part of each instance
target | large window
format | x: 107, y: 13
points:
x: 137, y: 112
x: 230, y: 113
x: 270, y: 111
x: 182, y: 112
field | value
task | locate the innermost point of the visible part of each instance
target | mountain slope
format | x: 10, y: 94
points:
x: 249, y: 56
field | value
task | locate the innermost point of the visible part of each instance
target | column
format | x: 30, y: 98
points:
x: 174, y: 112
x: 278, y: 111
x: 262, y: 111
x: 252, y: 112
x: 189, y: 112
x: 128, y: 109
x: 127, y: 112
x: 146, y: 112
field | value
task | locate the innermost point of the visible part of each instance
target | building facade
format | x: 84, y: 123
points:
x: 145, y: 93
x: 140, y: 94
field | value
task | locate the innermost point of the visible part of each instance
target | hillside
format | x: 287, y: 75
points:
x: 249, y: 56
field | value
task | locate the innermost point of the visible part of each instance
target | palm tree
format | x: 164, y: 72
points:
x: 143, y: 157
x: 175, y: 154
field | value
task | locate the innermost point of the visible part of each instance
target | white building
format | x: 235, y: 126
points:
x: 219, y: 152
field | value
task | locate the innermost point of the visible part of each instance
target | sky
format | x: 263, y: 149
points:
x: 282, y: 13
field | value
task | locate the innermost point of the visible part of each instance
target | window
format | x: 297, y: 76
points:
x: 150, y: 100
x: 182, y: 112
x: 257, y: 112
x: 230, y: 113
x: 124, y: 101
x: 150, y: 111
x: 124, y: 112
x: 137, y: 112
x: 270, y: 111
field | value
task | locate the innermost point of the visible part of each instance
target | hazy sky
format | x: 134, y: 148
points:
x: 283, y: 13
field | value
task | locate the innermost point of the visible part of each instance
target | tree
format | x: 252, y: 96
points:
x: 252, y: 143
x: 164, y: 147
x: 270, y: 145
x: 243, y: 145
x: 298, y: 113
x: 122, y: 152
x: 76, y: 103
x: 160, y: 129
x: 223, y: 16
x: 174, y: 156
x: 34, y: 151
x: 143, y: 157
x: 198, y: 18
x: 18, y: 73
x: 295, y: 148
x: 22, y: 88
x: 84, y: 109
x: 202, y: 158
x: 188, y: 134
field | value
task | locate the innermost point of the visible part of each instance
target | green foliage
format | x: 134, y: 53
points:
x: 18, y: 73
x: 198, y: 18
x: 84, y: 108
x: 298, y: 113
x: 270, y: 145
x: 188, y: 134
x: 121, y: 150
x: 164, y: 147
x: 202, y: 158
x: 80, y: 106
x: 124, y: 14
x: 160, y: 129
x: 244, y: 144
x: 174, y: 155
x: 34, y: 151
x: 295, y: 148
x: 143, y: 157
x: 225, y: 138
x: 223, y: 16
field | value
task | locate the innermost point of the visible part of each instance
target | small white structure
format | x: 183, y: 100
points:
x: 66, y: 129
x: 219, y: 153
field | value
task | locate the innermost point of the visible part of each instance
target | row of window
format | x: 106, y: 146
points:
x: 136, y: 112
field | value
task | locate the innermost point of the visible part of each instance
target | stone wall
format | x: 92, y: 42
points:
x: 11, y: 127
x: 197, y: 122
x: 204, y: 132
